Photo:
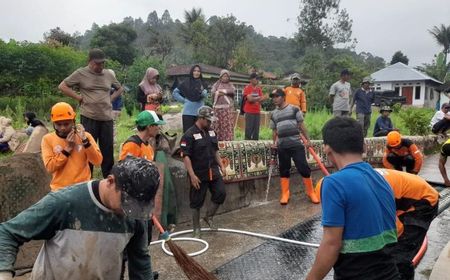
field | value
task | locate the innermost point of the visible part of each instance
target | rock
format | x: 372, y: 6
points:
x: 173, y: 122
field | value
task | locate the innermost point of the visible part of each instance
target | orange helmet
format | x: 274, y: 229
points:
x: 62, y: 111
x: 318, y: 187
x: 394, y: 139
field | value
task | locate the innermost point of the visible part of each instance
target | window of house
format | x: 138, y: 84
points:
x: 431, y: 94
x: 417, y: 94
x: 397, y: 90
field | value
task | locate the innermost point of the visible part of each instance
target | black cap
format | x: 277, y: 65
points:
x: 254, y: 76
x: 277, y: 92
x: 138, y: 180
x: 97, y: 55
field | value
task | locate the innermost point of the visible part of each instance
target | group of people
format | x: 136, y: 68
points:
x: 366, y: 235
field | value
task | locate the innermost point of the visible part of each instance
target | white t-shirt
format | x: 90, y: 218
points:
x: 439, y: 115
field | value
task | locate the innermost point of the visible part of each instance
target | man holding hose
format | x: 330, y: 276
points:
x: 287, y: 124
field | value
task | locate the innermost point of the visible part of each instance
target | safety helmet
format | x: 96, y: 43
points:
x: 62, y: 111
x: 394, y: 139
x: 318, y: 187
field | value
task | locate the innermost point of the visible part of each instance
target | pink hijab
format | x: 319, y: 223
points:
x: 145, y: 85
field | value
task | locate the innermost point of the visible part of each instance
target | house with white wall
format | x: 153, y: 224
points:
x: 419, y: 89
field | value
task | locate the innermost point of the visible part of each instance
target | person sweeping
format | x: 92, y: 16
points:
x: 287, y: 124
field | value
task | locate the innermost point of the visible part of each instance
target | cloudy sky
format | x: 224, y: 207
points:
x: 381, y: 27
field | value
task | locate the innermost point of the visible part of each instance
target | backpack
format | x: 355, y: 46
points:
x: 241, y: 110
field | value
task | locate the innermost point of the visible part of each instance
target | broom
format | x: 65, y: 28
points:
x: 192, y: 269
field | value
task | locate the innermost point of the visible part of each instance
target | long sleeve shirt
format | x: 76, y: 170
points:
x: 83, y: 238
x: 190, y: 108
x: 406, y: 147
x: 296, y: 96
x: 69, y: 169
x: 383, y: 123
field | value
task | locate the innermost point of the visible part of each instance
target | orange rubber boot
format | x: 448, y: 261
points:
x: 309, y: 189
x: 284, y: 198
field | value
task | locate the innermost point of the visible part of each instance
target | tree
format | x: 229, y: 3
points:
x: 399, y: 57
x: 437, y: 69
x: 160, y: 44
x: 193, y: 31
x: 323, y: 24
x: 193, y: 15
x: 116, y: 41
x: 442, y: 36
x: 224, y: 35
x: 153, y: 19
x: 166, y: 18
x: 58, y: 35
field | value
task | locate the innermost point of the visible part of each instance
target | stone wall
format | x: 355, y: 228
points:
x: 247, y: 164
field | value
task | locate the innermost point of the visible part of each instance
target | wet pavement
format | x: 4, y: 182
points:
x: 225, y: 248
x: 233, y: 256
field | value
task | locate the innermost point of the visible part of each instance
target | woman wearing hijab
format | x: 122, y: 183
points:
x: 149, y: 92
x: 223, y: 93
x: 191, y: 93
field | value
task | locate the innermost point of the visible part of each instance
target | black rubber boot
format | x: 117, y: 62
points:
x: 196, y: 223
x: 210, y: 215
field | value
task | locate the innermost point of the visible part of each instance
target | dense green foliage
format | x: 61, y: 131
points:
x: 399, y: 57
x: 35, y: 69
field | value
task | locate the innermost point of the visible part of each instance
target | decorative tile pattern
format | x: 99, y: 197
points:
x: 245, y: 160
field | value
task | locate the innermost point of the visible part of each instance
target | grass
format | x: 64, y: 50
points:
x: 314, y: 122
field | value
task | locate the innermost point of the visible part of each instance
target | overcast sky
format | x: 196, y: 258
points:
x: 381, y: 27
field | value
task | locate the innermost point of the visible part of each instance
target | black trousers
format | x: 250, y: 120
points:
x: 297, y: 154
x: 398, y: 162
x: 188, y: 122
x: 441, y: 126
x: 252, y: 122
x: 217, y: 189
x: 416, y: 224
x: 102, y: 132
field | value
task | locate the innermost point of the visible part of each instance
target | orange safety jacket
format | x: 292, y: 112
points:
x: 413, y: 195
x: 296, y: 96
x: 72, y: 168
x: 136, y: 147
x: 406, y: 147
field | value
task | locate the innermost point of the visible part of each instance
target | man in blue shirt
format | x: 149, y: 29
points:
x: 358, y: 211
x: 363, y: 98
x: 383, y: 125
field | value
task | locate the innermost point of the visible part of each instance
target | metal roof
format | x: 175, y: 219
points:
x: 400, y: 72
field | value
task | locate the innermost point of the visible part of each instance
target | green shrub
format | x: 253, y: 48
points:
x: 416, y: 120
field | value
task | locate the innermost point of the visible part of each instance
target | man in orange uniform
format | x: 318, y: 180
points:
x: 417, y: 205
x: 68, y: 151
x: 402, y: 152
x: 295, y: 95
x: 147, y: 123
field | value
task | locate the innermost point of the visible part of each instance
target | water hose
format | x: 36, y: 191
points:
x: 249, y: 233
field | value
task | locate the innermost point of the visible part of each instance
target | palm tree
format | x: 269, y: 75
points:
x: 442, y: 36
x: 192, y: 15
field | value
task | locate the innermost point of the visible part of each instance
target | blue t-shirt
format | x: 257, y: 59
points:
x: 358, y: 199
